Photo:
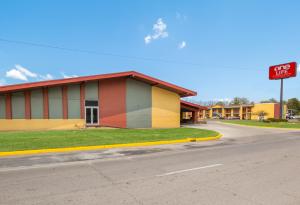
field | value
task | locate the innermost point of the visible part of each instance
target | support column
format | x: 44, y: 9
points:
x: 65, y: 102
x: 82, y: 99
x: 8, y: 106
x: 195, y: 116
x: 27, y: 95
x: 99, y: 103
x: 241, y: 112
x: 45, y: 103
x: 223, y: 112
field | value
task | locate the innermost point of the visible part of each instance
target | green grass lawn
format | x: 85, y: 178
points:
x: 26, y: 140
x: 264, y: 124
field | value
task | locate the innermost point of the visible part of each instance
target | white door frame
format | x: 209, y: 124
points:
x: 92, y: 116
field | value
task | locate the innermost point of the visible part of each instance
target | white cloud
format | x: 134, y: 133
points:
x: 182, y: 45
x: 25, y: 71
x: 147, y: 39
x: 21, y: 73
x: 46, y: 77
x: 68, y: 76
x: 16, y: 74
x: 159, y: 31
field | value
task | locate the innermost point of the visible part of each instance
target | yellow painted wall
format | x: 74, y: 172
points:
x: 41, y: 124
x: 165, y: 108
x: 266, y: 107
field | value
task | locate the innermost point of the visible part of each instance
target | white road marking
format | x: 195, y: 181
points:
x: 188, y: 170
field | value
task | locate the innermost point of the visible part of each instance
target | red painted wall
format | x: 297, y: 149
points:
x: 27, y: 94
x: 8, y: 106
x: 45, y: 103
x: 82, y: 97
x: 65, y: 102
x: 112, y: 102
x: 277, y: 111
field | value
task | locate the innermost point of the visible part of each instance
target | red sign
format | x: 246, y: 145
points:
x: 281, y: 71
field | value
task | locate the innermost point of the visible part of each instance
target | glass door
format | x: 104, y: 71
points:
x: 91, y: 115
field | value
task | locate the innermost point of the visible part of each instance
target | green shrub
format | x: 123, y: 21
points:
x: 266, y: 121
x: 277, y: 120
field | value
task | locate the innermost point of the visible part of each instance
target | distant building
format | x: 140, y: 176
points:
x: 245, y: 112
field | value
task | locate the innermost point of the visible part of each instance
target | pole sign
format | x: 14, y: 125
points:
x: 282, y: 71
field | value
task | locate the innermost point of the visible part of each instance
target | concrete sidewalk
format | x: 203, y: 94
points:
x: 235, y: 131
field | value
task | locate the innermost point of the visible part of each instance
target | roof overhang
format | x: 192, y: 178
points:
x: 191, y: 106
x: 183, y: 92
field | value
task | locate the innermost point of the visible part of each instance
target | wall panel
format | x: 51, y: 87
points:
x: 112, y: 102
x: 55, y: 103
x: 74, y: 101
x: 18, y: 105
x: 36, y: 98
x: 2, y: 107
x: 91, y: 90
x: 165, y: 108
x: 138, y: 104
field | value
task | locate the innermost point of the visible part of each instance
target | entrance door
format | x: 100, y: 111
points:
x: 91, y: 115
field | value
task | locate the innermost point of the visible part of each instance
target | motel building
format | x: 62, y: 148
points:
x: 245, y: 112
x: 121, y: 100
x: 194, y: 113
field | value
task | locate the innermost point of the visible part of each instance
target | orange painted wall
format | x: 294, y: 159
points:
x: 112, y: 102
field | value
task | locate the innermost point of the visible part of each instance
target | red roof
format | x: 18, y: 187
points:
x: 193, y: 105
x: 132, y: 74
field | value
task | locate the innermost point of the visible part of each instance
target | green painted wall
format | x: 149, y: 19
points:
x: 55, y: 103
x: 91, y: 91
x: 2, y: 107
x: 74, y: 101
x: 36, y: 99
x: 138, y: 104
x: 18, y: 105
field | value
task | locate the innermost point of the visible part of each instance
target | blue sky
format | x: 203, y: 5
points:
x: 221, y: 49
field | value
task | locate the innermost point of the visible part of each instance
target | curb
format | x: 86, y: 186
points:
x: 87, y: 148
x: 263, y: 127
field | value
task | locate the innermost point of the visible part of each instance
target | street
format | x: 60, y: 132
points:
x: 247, y: 166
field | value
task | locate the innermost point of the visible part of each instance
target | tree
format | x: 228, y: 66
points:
x: 271, y: 100
x: 294, y: 104
x: 220, y: 103
x: 239, y: 101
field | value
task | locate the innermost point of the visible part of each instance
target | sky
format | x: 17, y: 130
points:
x: 221, y: 49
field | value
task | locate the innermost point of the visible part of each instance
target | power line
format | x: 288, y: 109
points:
x: 111, y: 54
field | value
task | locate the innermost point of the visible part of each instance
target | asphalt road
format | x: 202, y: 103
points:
x: 248, y: 166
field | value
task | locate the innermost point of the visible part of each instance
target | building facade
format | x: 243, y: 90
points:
x: 191, y: 112
x: 245, y: 112
x: 122, y: 100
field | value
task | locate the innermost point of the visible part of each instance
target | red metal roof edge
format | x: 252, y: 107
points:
x: 183, y: 91
x: 153, y: 81
x: 193, y: 105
